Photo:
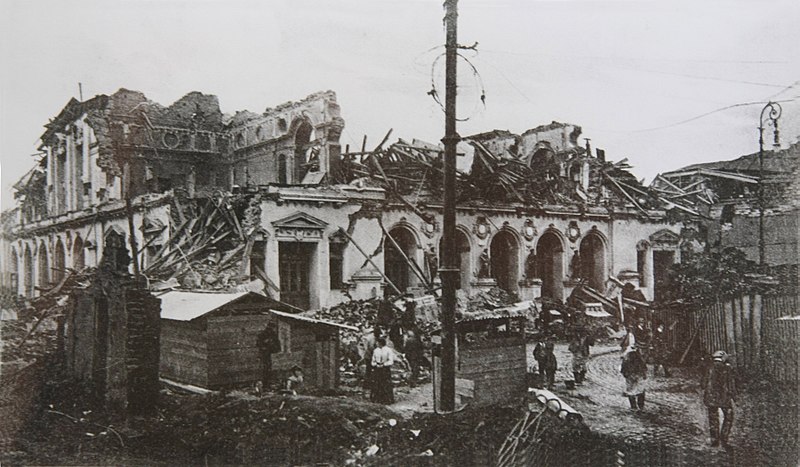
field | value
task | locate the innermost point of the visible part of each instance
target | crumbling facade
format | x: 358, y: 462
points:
x: 219, y: 202
x: 726, y: 199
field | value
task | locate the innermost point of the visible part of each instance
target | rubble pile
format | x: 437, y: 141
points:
x: 470, y: 437
x: 490, y: 300
x: 415, y: 172
x: 33, y: 334
x: 208, y: 248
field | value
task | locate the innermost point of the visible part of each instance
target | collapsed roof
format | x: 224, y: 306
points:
x: 543, y: 166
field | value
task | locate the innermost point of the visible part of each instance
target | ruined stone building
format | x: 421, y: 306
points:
x: 220, y: 201
x: 725, y: 195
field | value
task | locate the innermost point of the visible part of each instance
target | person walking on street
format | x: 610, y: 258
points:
x: 580, y: 355
x: 382, y: 360
x: 720, y: 393
x: 548, y: 365
x: 634, y: 369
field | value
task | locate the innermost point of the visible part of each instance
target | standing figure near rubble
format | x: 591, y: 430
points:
x: 268, y: 344
x: 382, y: 360
x: 546, y: 359
x: 661, y: 350
x: 720, y: 393
x: 634, y: 369
x: 368, y: 343
x: 579, y: 347
x: 415, y: 354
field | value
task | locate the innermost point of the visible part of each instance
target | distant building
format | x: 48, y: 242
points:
x: 725, y: 194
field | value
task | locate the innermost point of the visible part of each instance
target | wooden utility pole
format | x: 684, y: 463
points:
x: 450, y: 268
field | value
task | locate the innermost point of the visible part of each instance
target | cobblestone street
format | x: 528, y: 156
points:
x: 673, y: 428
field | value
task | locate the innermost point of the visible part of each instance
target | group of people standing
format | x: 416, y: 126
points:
x: 548, y: 364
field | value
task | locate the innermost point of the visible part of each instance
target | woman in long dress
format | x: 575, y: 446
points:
x: 634, y: 369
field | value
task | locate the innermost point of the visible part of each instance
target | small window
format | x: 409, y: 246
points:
x: 282, y: 126
x: 337, y: 265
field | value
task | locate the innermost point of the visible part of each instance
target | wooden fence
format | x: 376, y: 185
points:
x: 761, y: 333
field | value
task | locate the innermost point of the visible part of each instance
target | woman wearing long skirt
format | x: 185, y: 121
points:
x: 634, y: 369
x: 382, y: 360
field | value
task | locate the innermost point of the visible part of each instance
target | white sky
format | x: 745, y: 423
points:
x: 617, y: 68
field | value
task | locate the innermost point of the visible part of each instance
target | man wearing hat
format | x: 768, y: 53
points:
x: 720, y: 393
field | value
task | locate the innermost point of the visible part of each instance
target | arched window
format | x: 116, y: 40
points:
x: 43, y: 266
x: 59, y: 262
x: 78, y: 254
x: 504, y: 253
x: 550, y: 261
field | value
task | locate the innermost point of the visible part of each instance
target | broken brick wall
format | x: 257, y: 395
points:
x: 274, y: 147
x: 112, y: 345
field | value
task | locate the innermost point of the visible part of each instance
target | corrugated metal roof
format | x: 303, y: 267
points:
x: 311, y: 320
x: 186, y: 306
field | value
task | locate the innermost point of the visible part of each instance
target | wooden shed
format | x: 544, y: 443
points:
x: 211, y: 340
x: 491, y: 361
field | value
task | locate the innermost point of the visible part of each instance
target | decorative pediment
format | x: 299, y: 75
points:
x: 151, y: 226
x: 665, y: 238
x: 299, y: 227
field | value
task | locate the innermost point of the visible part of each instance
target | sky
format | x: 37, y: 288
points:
x: 662, y: 83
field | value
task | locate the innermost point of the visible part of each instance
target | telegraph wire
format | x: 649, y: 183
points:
x: 697, y: 117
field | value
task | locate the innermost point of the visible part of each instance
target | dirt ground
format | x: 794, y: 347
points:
x: 673, y: 428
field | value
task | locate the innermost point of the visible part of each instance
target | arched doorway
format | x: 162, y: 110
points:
x: 550, y: 259
x: 464, y: 259
x: 43, y: 266
x: 78, y: 254
x: 593, y: 261
x: 302, y: 138
x: 59, y: 262
x: 504, y: 254
x: 13, y: 271
x: 395, y: 265
x: 27, y: 287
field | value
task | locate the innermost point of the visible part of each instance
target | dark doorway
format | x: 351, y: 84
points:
x: 662, y: 261
x: 301, y: 144
x: 44, y: 266
x: 78, y: 255
x: 550, y: 259
x: 284, y: 177
x: 59, y: 261
x: 258, y: 259
x: 294, y: 267
x: 13, y: 272
x: 397, y: 268
x: 28, y: 266
x: 593, y: 262
x: 505, y: 260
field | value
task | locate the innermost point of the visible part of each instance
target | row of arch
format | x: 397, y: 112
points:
x: 503, y: 260
x: 26, y: 275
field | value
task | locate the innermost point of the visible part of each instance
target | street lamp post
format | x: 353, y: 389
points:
x: 773, y: 112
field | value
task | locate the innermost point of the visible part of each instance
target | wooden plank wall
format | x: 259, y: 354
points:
x: 498, y: 368
x: 748, y: 328
x: 183, y: 353
x: 233, y: 354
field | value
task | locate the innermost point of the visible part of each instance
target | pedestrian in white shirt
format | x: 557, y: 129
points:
x: 382, y: 360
